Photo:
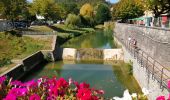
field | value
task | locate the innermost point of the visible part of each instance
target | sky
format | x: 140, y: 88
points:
x: 112, y: 1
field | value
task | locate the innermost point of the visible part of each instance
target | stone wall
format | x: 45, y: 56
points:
x: 154, y: 41
x: 143, y: 77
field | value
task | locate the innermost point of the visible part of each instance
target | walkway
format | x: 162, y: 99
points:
x: 153, y: 67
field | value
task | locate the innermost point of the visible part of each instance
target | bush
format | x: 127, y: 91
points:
x: 72, y: 20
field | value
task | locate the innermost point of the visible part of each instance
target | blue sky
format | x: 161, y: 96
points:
x: 112, y: 1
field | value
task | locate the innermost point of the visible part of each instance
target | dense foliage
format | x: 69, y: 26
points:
x: 127, y: 9
x: 13, y: 9
x: 72, y: 20
x: 81, y: 2
x: 158, y: 6
x: 103, y: 13
x: 87, y: 15
x: 47, y: 8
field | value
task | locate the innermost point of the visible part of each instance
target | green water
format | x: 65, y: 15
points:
x: 98, y: 39
x: 112, y: 78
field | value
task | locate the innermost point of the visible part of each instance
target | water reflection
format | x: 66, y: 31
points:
x: 99, y: 39
x: 113, y: 79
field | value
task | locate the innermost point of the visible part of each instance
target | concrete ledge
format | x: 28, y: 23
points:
x: 69, y: 53
x: 16, y: 72
x: 32, y: 60
x: 112, y: 54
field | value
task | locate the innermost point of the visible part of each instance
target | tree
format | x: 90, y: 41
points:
x: 158, y: 6
x: 127, y: 9
x: 72, y: 20
x: 86, y: 10
x: 47, y: 8
x: 103, y: 13
x: 86, y: 14
x: 13, y: 9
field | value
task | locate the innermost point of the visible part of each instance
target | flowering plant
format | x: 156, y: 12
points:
x: 47, y: 89
x: 163, y: 97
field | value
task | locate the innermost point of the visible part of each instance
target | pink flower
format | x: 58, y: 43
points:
x: 31, y: 84
x: 160, y: 98
x: 2, y: 79
x: 84, y: 85
x: 17, y: 83
x: 168, y: 84
x: 10, y: 97
x: 76, y: 84
x: 62, y: 83
x: 100, y: 91
x: 84, y: 94
x: 18, y: 91
x: 35, y: 97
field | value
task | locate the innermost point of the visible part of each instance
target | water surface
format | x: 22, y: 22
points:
x: 112, y: 78
x: 99, y: 39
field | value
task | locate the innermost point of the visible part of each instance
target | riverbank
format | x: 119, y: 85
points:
x: 14, y: 47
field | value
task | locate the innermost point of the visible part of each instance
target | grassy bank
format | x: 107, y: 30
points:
x: 64, y: 33
x: 13, y: 46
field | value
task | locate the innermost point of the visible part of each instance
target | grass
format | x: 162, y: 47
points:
x: 13, y: 46
x: 40, y: 29
x: 63, y: 32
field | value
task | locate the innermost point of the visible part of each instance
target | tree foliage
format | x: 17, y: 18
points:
x: 86, y: 10
x: 68, y: 8
x: 103, y: 13
x: 12, y: 9
x: 81, y: 2
x: 86, y: 13
x: 158, y: 6
x: 127, y: 9
x: 47, y: 8
x: 72, y: 20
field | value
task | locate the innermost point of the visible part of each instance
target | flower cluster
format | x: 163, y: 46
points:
x: 47, y: 89
x: 163, y: 97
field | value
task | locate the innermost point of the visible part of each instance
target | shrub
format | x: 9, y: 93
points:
x: 72, y: 20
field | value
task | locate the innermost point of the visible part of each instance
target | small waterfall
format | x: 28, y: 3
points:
x: 78, y: 56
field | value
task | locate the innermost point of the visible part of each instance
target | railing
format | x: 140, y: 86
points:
x: 153, y: 67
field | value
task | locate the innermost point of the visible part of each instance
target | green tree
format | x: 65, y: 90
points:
x: 70, y: 8
x: 47, y: 8
x: 72, y: 20
x: 13, y: 9
x: 86, y: 13
x: 158, y: 6
x: 103, y: 13
x: 127, y: 9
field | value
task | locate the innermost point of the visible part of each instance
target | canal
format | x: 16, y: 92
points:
x: 112, y: 77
